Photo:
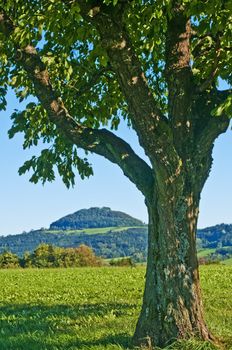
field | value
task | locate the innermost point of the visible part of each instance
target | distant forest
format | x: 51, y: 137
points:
x: 112, y: 244
x: 123, y: 236
x: 215, y: 236
x: 126, y: 242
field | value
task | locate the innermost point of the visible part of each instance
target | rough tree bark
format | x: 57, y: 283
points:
x: 172, y: 306
x: 180, y: 151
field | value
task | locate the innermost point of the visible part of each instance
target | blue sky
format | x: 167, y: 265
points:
x: 26, y: 206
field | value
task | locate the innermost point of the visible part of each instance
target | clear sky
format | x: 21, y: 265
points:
x: 25, y: 206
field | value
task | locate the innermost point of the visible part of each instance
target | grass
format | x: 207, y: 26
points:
x: 94, y: 308
x: 205, y: 252
x: 227, y: 262
x: 94, y: 231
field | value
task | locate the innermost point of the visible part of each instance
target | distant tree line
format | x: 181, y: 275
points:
x: 47, y: 255
x: 111, y: 245
x: 127, y: 242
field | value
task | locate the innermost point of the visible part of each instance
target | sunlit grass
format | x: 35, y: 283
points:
x: 227, y: 262
x: 205, y: 252
x: 94, y: 308
x: 94, y: 231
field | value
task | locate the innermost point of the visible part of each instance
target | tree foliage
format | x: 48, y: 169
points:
x: 81, y: 77
x: 8, y: 260
x: 47, y: 255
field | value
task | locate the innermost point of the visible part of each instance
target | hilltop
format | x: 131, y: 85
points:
x: 95, y: 218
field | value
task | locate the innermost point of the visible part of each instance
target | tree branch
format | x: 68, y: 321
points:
x: 91, y: 83
x: 179, y: 76
x: 210, y: 127
x: 102, y: 142
x: 214, y: 69
x: 146, y: 117
x: 223, y: 94
x: 178, y: 68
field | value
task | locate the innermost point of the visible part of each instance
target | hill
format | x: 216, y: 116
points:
x: 124, y: 236
x: 215, y: 236
x: 94, y: 217
x: 108, y: 242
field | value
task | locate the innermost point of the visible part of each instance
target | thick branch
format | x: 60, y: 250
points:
x: 210, y: 127
x: 179, y: 77
x: 178, y: 70
x: 102, y: 142
x: 151, y: 126
x: 110, y: 146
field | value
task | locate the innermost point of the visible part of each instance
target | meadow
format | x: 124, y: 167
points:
x: 94, y: 231
x: 94, y: 308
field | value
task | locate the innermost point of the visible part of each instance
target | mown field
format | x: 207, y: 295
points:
x: 227, y: 261
x: 93, y: 231
x: 94, y: 308
x: 205, y: 252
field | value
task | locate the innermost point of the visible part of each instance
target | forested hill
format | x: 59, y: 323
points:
x: 110, y: 233
x: 214, y: 236
x: 110, y: 242
x: 95, y: 218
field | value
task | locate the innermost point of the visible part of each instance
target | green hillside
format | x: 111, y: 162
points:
x: 95, y: 218
x: 211, y: 237
x: 205, y: 252
x: 227, y: 262
x: 92, y: 231
x: 124, y: 236
x: 106, y: 242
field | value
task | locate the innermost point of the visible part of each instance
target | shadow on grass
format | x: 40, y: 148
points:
x: 83, y: 326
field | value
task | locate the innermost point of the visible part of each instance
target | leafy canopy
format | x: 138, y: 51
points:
x: 81, y: 73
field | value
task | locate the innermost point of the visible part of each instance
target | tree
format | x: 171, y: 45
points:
x: 43, y: 256
x: 8, y: 260
x: 86, y: 256
x: 48, y: 255
x: 26, y: 260
x: 156, y: 64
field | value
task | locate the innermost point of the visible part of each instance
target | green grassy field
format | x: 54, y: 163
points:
x: 227, y: 262
x: 94, y: 308
x: 94, y: 231
x: 205, y: 252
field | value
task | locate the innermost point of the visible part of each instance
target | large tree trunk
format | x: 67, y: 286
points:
x: 172, y: 306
